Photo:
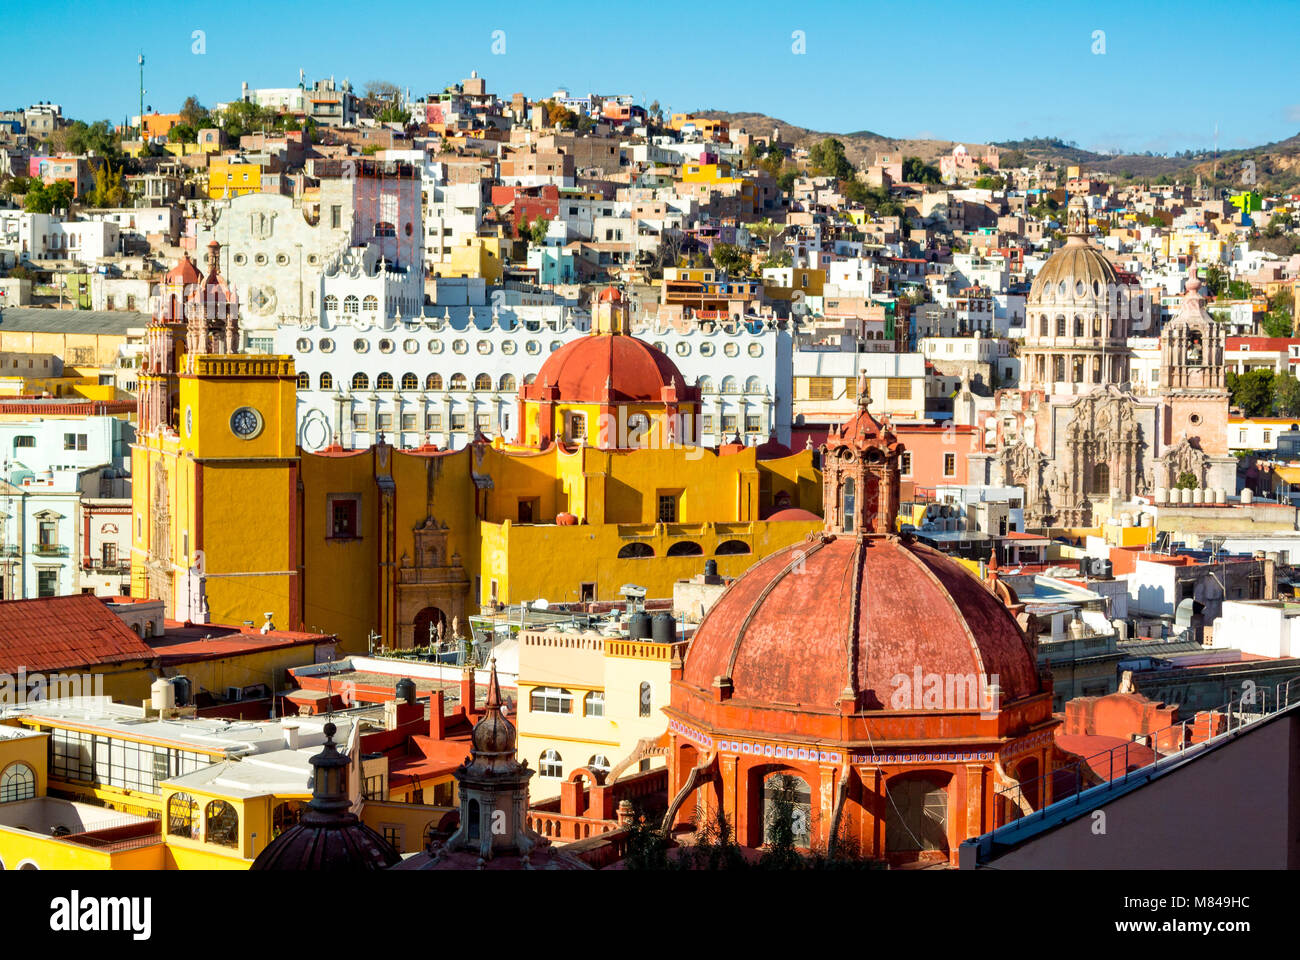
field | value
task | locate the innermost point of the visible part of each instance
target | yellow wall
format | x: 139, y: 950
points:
x: 49, y: 853
x: 410, y: 820
x: 33, y: 751
x: 228, y: 178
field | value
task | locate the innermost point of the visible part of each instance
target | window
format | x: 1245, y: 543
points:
x: 284, y: 816
x: 667, y: 508
x: 360, y: 421
x: 24, y: 442
x: 360, y: 381
x: 433, y: 421
x: 47, y: 583
x: 900, y: 388
x: 343, y: 518
x: 848, y: 500
x: 182, y: 816
x: 393, y: 834
x: 483, y: 382
x: 370, y: 304
x: 1268, y: 436
x: 577, y: 428
x: 408, y: 421
x: 410, y: 381
x: 458, y: 381
x: 221, y: 824
x: 753, y: 423
x: 458, y: 421
x: 17, y: 782
x: 373, y: 787
x: 820, y: 388
x: 950, y: 464
x: 327, y: 381
x: 550, y: 765
x: 508, y: 384
x: 351, y: 304
x: 787, y: 797
x: 599, y: 762
x: 384, y: 421
x: 384, y: 381
x: 644, y: 698
x: 74, y: 441
x: 593, y: 704
x: 905, y: 464
x: 728, y: 423
x: 304, y: 381
x: 550, y: 700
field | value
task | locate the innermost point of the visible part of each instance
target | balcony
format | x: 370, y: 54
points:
x: 49, y: 550
x: 10, y: 550
x: 109, y: 568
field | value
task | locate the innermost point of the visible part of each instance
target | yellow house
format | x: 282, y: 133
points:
x: 232, y: 177
x: 475, y: 257
x: 589, y: 699
x: 793, y: 283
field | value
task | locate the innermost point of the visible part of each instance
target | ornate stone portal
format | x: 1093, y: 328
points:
x: 432, y: 587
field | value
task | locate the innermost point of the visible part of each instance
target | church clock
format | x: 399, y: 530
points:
x: 246, y: 423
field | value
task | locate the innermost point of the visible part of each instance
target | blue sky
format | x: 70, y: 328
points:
x: 1170, y: 71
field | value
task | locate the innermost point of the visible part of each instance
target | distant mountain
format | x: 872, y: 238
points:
x: 1277, y: 165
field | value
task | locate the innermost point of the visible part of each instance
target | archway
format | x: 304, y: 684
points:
x: 787, y: 810
x: 426, y: 618
x: 916, y: 815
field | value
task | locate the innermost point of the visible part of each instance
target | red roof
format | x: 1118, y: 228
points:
x: 57, y: 633
x: 632, y: 369
x: 1279, y: 344
x: 917, y: 609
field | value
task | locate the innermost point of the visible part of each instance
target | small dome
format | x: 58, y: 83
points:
x: 1076, y: 262
x: 628, y: 369
x: 793, y: 515
x: 185, y: 272
x: 611, y: 295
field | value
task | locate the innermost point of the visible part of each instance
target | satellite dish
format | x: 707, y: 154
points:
x: 542, y: 604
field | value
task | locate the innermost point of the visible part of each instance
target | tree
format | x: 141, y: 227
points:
x: 1252, y: 392
x: 990, y: 183
x: 1279, y: 323
x: 109, y: 190
x: 193, y: 113
x: 1216, y: 281
x: 394, y: 114
x: 915, y: 170
x: 1286, y: 395
x: 41, y: 198
x: 537, y: 232
x: 766, y: 231
x: 829, y: 160
x: 731, y: 258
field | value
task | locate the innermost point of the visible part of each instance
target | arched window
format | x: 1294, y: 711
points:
x: 18, y: 782
x: 1060, y: 326
x: 458, y: 381
x: 848, y: 499
x: 645, y: 696
x: 729, y: 385
x: 1042, y: 325
x: 327, y: 381
x: 1078, y: 325
x: 182, y: 816
x: 350, y: 304
x: 599, y: 762
x: 731, y: 548
x: 221, y: 824
x: 384, y: 381
x: 284, y: 816
x: 1096, y: 325
x: 385, y: 229
x: 551, y: 765
x: 472, y: 812
x: 370, y: 304
x: 410, y: 381
x: 705, y: 384
x: 530, y: 379
x: 593, y: 704
x: 331, y: 303
x: 304, y: 381
x: 635, y: 551
x: 483, y: 382
x: 360, y: 381
x: 753, y: 385
x: 916, y: 815
x: 508, y: 384
x: 550, y: 700
x: 685, y: 548
x: 787, y: 810
x: 433, y: 381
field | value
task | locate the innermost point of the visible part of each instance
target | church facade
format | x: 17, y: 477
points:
x: 1074, y: 434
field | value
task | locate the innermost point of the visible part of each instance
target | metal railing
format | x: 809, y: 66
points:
x: 49, y: 550
x: 1168, y: 744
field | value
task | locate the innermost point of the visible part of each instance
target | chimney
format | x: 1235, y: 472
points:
x: 1270, y: 576
x: 437, y: 721
x: 291, y: 736
x: 467, y: 690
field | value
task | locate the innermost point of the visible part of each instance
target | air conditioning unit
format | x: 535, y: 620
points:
x: 234, y: 693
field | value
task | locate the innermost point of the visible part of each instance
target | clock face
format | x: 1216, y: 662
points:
x: 246, y: 423
x: 189, y: 421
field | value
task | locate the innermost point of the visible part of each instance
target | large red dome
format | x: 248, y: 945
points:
x: 604, y: 367
x: 783, y: 632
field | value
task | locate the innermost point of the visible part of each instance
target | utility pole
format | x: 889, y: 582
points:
x: 141, y: 60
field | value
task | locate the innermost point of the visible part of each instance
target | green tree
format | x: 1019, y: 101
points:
x: 394, y: 114
x: 1186, y: 481
x: 109, y: 189
x: 1216, y: 280
x: 1286, y: 395
x: 731, y: 258
x: 916, y: 170
x: 1252, y: 392
x: 990, y: 183
x: 829, y: 160
x: 537, y: 232
x: 1279, y: 323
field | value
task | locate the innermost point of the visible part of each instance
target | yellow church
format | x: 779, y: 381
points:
x: 602, y: 487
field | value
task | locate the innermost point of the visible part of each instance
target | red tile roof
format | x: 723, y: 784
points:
x: 56, y: 633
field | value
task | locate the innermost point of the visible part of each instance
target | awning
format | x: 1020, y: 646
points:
x: 1288, y: 474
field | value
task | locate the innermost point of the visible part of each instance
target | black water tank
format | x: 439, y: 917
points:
x: 182, y: 688
x: 406, y: 690
x: 710, y: 568
x: 638, y: 627
x: 664, y: 628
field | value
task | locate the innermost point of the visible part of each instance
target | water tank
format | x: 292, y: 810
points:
x: 162, y: 694
x: 638, y: 626
x: 1247, y: 495
x: 664, y: 628
x: 1162, y: 495
x: 1198, y: 495
x: 182, y: 687
x: 710, y: 568
x: 406, y: 690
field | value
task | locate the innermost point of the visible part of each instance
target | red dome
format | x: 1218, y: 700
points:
x: 185, y: 272
x: 583, y: 370
x: 916, y: 608
x: 611, y: 295
x: 794, y: 514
